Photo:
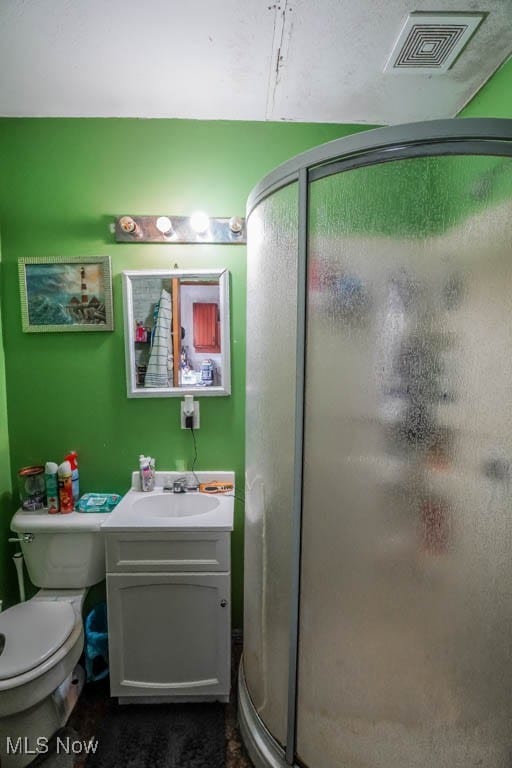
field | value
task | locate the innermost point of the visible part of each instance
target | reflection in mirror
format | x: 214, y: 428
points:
x: 177, y: 332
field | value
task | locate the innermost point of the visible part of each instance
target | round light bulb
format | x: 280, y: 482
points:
x: 199, y: 222
x: 164, y: 225
x: 236, y: 225
x: 128, y: 225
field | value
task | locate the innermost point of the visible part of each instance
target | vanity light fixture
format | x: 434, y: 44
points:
x: 197, y: 228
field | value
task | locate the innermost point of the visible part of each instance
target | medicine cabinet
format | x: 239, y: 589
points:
x: 177, y: 337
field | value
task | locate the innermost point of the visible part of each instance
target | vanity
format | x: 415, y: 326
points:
x: 168, y: 593
x: 168, y: 554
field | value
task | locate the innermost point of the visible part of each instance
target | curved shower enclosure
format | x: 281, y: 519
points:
x: 378, y: 544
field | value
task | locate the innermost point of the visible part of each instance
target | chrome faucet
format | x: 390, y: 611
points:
x: 179, y: 485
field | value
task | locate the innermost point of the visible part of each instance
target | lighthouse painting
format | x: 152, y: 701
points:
x: 72, y: 294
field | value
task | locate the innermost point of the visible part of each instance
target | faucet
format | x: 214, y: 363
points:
x: 179, y: 485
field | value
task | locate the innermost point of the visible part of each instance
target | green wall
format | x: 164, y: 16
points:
x: 8, y: 581
x: 495, y: 98
x: 65, y: 180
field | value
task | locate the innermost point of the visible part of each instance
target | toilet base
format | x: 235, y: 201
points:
x: 25, y: 735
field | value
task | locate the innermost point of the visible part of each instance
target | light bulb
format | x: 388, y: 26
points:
x: 164, y: 225
x: 128, y: 225
x: 199, y: 222
x: 236, y: 225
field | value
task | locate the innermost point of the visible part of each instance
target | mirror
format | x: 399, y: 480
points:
x: 177, y: 332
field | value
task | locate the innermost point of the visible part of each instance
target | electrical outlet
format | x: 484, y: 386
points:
x: 195, y: 422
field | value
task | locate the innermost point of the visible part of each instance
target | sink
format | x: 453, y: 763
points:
x: 165, y: 510
x: 167, y: 504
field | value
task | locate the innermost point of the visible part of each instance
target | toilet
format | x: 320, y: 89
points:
x: 42, y: 639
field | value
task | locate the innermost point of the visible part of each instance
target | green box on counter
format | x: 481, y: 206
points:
x: 98, y: 502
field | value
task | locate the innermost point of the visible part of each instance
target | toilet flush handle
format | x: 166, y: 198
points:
x: 27, y: 538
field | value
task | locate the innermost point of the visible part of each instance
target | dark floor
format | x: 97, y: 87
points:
x: 93, y: 708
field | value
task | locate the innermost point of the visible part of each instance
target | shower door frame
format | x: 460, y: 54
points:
x: 464, y: 136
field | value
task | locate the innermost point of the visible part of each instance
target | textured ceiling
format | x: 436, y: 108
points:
x: 299, y: 60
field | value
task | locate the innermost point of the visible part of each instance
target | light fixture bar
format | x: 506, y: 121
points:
x: 182, y: 229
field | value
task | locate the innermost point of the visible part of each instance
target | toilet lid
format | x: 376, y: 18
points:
x: 30, y: 632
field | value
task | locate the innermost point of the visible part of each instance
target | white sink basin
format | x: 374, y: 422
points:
x: 174, y: 511
x: 165, y: 504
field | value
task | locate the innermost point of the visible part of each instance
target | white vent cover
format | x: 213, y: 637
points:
x: 430, y: 42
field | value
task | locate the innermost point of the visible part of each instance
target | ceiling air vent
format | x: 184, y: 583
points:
x: 430, y: 42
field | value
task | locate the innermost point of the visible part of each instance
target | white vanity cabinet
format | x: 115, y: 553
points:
x: 169, y: 607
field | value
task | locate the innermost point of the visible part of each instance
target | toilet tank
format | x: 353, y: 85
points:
x: 62, y: 551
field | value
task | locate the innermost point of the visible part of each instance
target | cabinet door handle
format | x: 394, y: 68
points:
x: 223, y: 603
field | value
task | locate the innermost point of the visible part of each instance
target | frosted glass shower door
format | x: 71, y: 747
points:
x: 270, y: 411
x: 405, y: 637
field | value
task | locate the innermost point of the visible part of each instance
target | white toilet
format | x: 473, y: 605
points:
x: 43, y: 638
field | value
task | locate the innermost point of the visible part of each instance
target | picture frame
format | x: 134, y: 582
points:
x: 65, y: 294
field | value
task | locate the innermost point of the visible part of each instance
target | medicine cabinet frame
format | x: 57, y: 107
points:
x: 133, y: 386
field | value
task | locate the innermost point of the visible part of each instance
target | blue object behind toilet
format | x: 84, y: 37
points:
x: 96, y: 643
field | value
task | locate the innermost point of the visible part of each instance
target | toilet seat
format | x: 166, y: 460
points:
x: 33, y: 631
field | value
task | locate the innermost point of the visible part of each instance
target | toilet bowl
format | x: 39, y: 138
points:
x: 42, y: 639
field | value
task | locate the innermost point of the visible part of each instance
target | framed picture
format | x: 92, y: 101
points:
x: 66, y: 294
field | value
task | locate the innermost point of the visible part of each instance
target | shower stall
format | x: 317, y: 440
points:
x: 378, y: 530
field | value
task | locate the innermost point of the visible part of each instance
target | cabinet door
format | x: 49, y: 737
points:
x: 169, y: 635
x: 206, y: 327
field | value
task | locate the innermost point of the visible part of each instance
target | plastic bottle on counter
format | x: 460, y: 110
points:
x: 147, y: 472
x: 65, y: 487
x: 52, y: 487
x: 72, y: 457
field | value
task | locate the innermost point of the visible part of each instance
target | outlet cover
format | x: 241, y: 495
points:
x: 196, y: 415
